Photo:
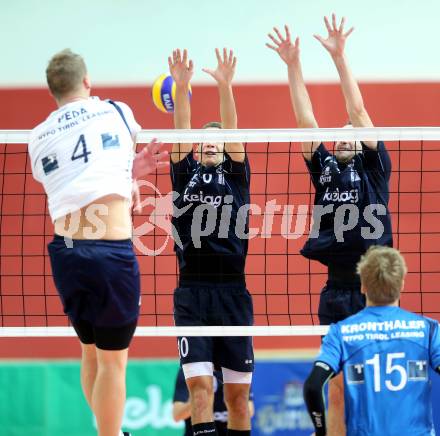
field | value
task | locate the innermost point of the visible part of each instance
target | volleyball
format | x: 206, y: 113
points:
x: 164, y: 92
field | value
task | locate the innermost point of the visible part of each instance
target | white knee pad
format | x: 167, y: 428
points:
x: 197, y: 369
x: 231, y: 376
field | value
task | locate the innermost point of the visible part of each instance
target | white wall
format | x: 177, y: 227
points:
x: 128, y: 41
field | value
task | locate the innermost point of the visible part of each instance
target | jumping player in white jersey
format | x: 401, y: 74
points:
x: 355, y: 178
x: 384, y: 353
x: 212, y: 288
x: 83, y: 155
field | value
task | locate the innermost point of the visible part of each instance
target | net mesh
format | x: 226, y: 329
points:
x: 285, y: 286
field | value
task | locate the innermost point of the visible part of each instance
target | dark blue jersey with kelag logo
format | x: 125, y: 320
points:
x: 211, y: 220
x: 351, y: 205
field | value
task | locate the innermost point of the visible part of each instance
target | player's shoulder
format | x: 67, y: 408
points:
x: 122, y: 104
x: 43, y: 130
x: 320, y: 157
x: 48, y: 127
x: 368, y: 153
x: 353, y: 323
x: 380, y: 314
x: 353, y: 319
x: 406, y: 314
x: 380, y: 145
x: 96, y: 103
x: 431, y: 322
x: 126, y: 109
x: 127, y: 114
x: 36, y: 132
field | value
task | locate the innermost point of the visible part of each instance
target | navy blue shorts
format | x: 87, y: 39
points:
x: 339, y: 301
x: 210, y: 306
x: 98, y: 282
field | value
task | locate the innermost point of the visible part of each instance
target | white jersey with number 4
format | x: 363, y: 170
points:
x: 82, y: 152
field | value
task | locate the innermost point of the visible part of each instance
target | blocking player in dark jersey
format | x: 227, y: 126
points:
x: 211, y: 247
x: 384, y: 353
x: 83, y: 155
x: 352, y: 192
x: 182, y: 405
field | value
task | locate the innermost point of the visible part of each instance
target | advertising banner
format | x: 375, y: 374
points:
x: 278, y: 398
x: 45, y: 399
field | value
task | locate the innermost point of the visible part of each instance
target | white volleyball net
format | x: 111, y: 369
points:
x: 284, y: 285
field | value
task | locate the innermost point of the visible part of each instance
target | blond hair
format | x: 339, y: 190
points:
x: 65, y: 72
x: 382, y: 270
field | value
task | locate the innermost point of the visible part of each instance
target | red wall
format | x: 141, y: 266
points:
x: 281, y: 287
x: 259, y: 106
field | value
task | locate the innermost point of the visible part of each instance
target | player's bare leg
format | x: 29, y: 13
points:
x: 201, y: 395
x: 88, y: 371
x: 108, y: 397
x: 336, y: 412
x: 237, y: 403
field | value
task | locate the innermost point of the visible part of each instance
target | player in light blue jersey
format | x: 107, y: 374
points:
x: 384, y: 353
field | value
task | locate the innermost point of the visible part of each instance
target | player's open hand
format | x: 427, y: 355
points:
x: 288, y: 51
x: 225, y: 70
x: 181, y: 68
x: 335, y: 41
x: 149, y: 159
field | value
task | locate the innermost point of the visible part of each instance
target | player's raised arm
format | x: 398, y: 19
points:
x: 335, y: 45
x: 301, y: 104
x: 181, y: 69
x: 223, y: 75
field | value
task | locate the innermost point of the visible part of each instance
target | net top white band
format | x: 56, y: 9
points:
x: 266, y: 135
x: 8, y: 332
